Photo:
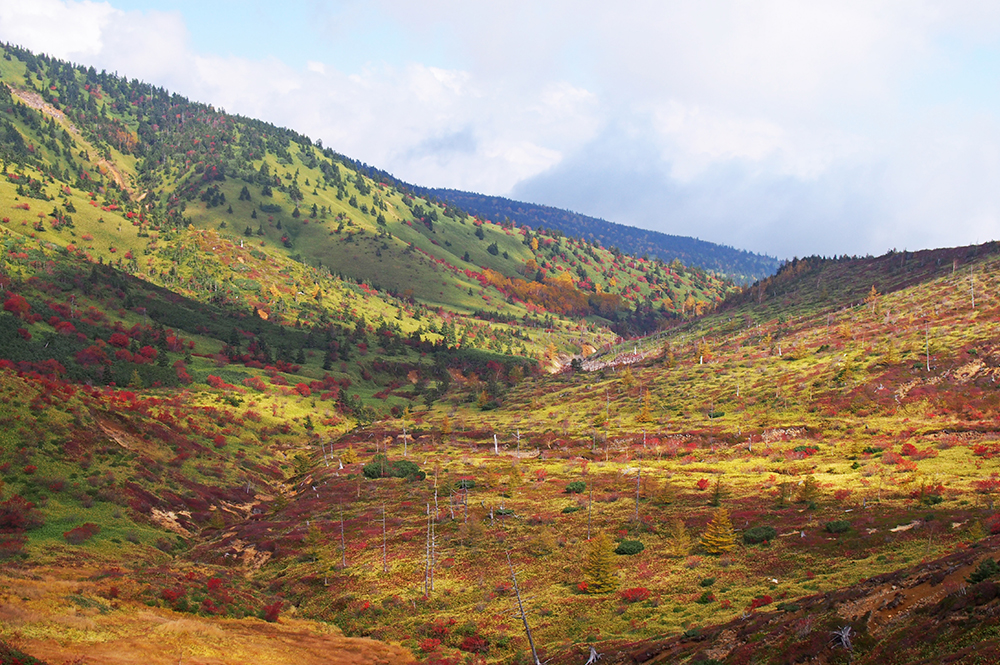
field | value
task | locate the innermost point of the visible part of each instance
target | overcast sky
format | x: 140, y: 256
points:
x: 788, y: 128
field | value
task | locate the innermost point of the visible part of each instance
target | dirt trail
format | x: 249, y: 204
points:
x: 35, y: 101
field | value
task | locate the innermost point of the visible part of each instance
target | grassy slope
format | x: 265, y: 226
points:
x: 887, y: 443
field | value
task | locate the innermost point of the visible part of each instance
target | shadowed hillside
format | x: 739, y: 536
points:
x: 740, y: 265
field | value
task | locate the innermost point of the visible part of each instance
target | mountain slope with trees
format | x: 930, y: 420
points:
x: 742, y: 266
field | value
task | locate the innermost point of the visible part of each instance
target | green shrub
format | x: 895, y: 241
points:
x: 838, y: 526
x: 575, y: 487
x: 759, y: 534
x: 629, y: 547
x: 381, y: 467
x: 571, y: 509
x: 708, y: 581
x: 987, y: 569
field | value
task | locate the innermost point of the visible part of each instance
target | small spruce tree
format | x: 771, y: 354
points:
x: 599, y: 567
x: 719, y: 537
x: 680, y: 539
x: 809, y: 493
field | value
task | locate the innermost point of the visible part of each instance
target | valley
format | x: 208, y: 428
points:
x: 256, y: 397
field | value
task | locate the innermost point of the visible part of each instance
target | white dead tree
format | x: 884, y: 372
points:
x: 385, y: 560
x: 343, y: 548
x: 638, y: 480
x: 520, y: 609
x: 429, y: 561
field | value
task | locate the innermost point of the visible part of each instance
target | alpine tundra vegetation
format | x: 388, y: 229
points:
x: 258, y: 400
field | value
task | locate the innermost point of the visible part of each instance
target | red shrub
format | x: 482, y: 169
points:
x: 703, y: 484
x: 216, y: 382
x: 429, y: 644
x: 635, y: 595
x: 761, y: 601
x: 303, y: 389
x: 16, y: 305
x: 993, y: 524
x: 891, y: 458
x: 270, y: 612
x: 255, y: 382
x: 11, y: 546
x: 16, y: 515
x: 474, y: 644
x: 82, y: 533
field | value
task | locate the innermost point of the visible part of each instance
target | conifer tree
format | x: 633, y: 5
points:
x: 599, y: 568
x: 680, y: 539
x: 809, y: 493
x: 719, y: 537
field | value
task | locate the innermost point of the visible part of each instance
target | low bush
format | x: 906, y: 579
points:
x: 629, y: 547
x: 270, y: 612
x: 759, y: 534
x: 838, y: 526
x: 635, y: 595
x: 575, y: 487
x: 81, y: 534
x: 381, y: 467
x: 987, y: 569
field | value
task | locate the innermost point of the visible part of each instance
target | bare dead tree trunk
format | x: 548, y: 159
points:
x: 638, y: 478
x: 590, y: 502
x: 427, y: 560
x: 385, y: 560
x: 343, y: 548
x: 927, y: 345
x: 520, y: 608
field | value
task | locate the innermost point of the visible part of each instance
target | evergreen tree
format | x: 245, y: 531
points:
x: 719, y: 537
x: 599, y: 568
x: 680, y: 539
x: 136, y: 380
x: 809, y: 492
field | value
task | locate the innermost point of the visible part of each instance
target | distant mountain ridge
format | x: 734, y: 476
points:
x: 742, y: 266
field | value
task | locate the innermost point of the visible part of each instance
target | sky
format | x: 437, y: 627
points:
x: 783, y: 127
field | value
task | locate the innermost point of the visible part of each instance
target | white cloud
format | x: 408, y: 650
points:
x: 778, y: 125
x: 64, y: 30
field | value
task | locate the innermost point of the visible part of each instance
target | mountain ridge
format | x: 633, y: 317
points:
x: 741, y: 265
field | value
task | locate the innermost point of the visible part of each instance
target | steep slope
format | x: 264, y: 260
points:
x: 742, y: 266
